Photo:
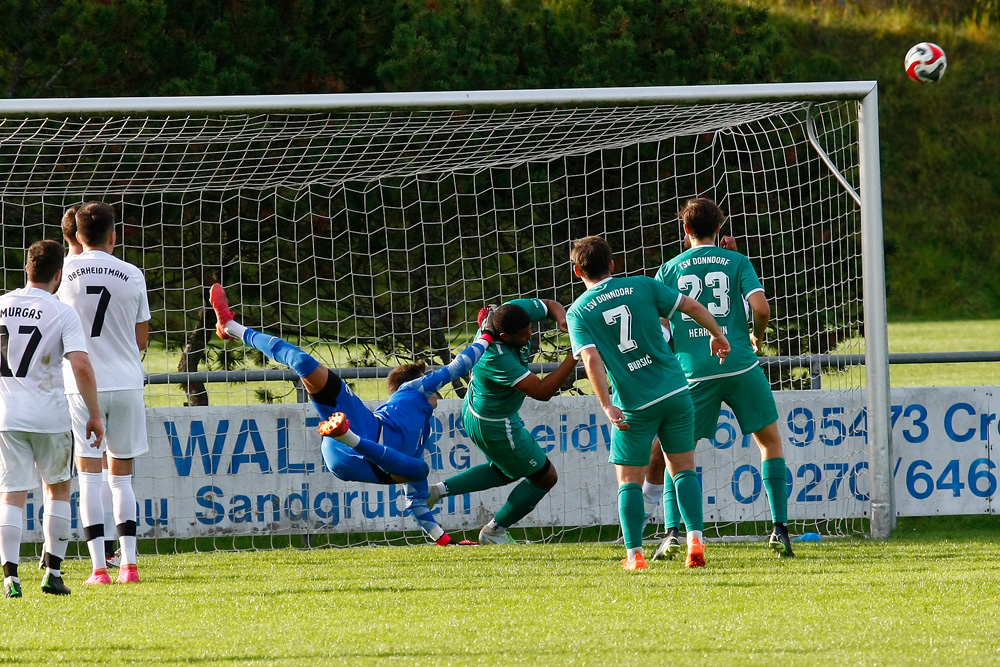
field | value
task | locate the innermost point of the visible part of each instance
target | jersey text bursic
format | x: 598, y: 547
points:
x: 640, y: 363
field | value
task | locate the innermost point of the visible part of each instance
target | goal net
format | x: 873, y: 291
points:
x: 370, y: 229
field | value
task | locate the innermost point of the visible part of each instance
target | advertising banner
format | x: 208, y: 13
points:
x: 244, y: 470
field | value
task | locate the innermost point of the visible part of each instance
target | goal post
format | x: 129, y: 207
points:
x: 370, y: 228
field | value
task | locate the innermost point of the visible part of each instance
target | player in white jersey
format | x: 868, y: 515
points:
x: 110, y: 296
x: 112, y: 553
x: 36, y: 333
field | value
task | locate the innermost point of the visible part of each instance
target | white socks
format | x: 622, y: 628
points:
x: 11, y: 518
x: 92, y: 514
x: 56, y: 526
x: 124, y: 503
x: 351, y: 439
x: 110, y: 533
x: 235, y: 329
x: 652, y: 494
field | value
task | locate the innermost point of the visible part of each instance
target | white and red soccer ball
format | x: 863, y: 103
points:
x: 925, y: 62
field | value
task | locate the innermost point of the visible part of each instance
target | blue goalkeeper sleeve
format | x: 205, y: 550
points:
x: 462, y: 363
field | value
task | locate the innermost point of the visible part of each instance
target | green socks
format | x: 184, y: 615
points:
x: 689, y: 499
x: 478, y: 478
x: 631, y: 513
x: 776, y: 485
x: 521, y: 501
x: 671, y: 513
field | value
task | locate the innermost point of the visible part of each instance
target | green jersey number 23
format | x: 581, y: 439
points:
x: 719, y: 284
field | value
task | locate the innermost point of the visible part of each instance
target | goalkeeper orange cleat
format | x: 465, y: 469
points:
x: 636, y: 564
x: 217, y: 297
x: 696, y: 553
x: 336, y: 426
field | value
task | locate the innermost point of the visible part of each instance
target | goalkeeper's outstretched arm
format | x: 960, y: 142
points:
x: 459, y: 366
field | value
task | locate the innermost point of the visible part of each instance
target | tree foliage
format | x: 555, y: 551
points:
x: 88, y: 48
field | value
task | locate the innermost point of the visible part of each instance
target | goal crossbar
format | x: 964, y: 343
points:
x: 764, y: 92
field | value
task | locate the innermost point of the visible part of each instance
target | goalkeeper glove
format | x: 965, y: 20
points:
x: 485, y: 322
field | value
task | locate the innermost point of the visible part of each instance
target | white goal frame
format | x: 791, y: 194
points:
x: 877, y: 398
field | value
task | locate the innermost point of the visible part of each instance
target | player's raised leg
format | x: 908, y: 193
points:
x: 274, y: 348
x: 390, y: 460
x: 513, y: 454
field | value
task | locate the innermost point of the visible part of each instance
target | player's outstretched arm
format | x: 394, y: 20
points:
x: 87, y: 383
x: 458, y: 367
x: 700, y: 314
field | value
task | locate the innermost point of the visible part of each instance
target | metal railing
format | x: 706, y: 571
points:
x: 815, y: 363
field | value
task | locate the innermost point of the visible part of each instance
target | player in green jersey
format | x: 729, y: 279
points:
x: 490, y: 415
x: 721, y: 279
x: 615, y: 330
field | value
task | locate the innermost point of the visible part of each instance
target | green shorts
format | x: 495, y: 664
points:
x: 672, y: 419
x: 507, y: 444
x: 748, y: 394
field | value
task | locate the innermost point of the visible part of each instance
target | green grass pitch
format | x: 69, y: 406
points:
x: 926, y: 596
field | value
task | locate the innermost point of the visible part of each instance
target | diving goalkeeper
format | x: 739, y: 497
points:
x: 381, y: 447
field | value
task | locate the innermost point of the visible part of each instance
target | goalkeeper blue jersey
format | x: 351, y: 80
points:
x: 406, y: 416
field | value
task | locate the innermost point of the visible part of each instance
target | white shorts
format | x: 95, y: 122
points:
x: 24, y: 457
x: 124, y: 415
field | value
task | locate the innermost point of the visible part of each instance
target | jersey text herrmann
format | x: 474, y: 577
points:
x: 702, y: 332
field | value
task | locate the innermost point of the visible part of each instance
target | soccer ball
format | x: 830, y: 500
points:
x: 925, y: 62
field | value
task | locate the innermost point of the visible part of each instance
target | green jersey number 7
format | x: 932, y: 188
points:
x: 621, y: 315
